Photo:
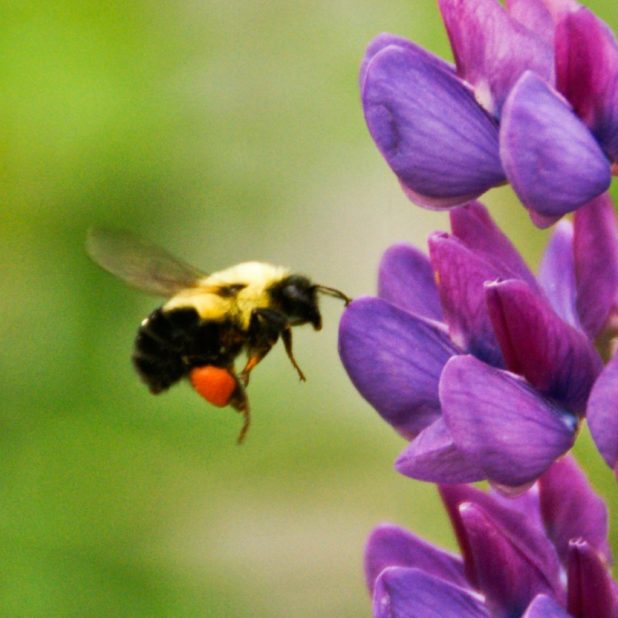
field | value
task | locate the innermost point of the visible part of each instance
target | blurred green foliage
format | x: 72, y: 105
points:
x: 224, y: 131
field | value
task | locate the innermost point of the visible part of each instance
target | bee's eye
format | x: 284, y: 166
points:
x: 295, y: 292
x: 296, y: 296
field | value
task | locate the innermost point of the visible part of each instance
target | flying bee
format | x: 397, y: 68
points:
x: 208, y: 320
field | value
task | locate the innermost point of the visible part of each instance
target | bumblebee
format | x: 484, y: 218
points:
x: 209, y: 320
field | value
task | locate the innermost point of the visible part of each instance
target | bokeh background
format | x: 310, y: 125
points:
x: 225, y: 131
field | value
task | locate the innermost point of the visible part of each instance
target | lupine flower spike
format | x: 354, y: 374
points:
x: 532, y: 100
x: 543, y: 554
x: 486, y: 370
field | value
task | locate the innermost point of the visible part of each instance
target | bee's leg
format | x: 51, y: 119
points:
x: 252, y: 361
x: 286, y: 336
x: 264, y: 329
x: 245, y: 426
x: 240, y: 402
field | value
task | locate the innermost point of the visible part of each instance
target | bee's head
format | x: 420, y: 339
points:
x: 297, y: 297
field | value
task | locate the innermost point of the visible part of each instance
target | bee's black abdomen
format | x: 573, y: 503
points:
x: 161, y: 338
x: 170, y: 343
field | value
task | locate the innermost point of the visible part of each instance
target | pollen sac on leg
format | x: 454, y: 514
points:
x: 215, y: 384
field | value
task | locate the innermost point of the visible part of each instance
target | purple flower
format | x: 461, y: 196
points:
x: 532, y: 100
x: 543, y: 554
x: 602, y: 415
x: 485, y: 369
x: 595, y: 255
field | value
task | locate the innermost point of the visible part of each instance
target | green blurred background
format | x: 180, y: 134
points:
x: 225, y: 132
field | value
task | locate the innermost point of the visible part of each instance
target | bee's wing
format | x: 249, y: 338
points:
x: 139, y: 263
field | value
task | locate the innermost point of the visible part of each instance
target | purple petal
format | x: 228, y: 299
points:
x: 526, y: 503
x: 433, y: 134
x: 507, y: 577
x: 602, y: 414
x: 433, y: 457
x: 557, y: 273
x: 385, y: 40
x: 587, y: 74
x: 492, y: 49
x: 555, y: 358
x: 406, y: 280
x: 595, y: 247
x: 571, y: 509
x: 461, y: 275
x: 390, y: 546
x: 545, y: 607
x: 410, y: 593
x: 522, y: 532
x: 500, y: 423
x: 551, y: 159
x: 591, y: 591
x: 394, y: 359
x: 473, y: 225
x: 543, y: 221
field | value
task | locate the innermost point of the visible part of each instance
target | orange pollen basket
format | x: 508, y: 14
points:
x: 215, y: 384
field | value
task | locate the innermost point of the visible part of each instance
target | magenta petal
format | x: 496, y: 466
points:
x: 557, y: 8
x: 410, y: 593
x: 473, y: 225
x: 406, y: 280
x: 521, y: 531
x: 602, y: 414
x: 587, y: 74
x: 433, y: 457
x: 461, y: 275
x: 557, y: 273
x: 535, y: 16
x: 394, y: 359
x: 500, y: 423
x: 429, y: 128
x: 591, y: 591
x: 556, y: 359
x: 550, y: 157
x: 492, y: 49
x: 571, y: 510
x: 545, y: 607
x: 390, y: 546
x: 506, y: 575
x: 595, y: 247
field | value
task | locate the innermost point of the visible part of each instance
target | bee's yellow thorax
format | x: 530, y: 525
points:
x: 208, y: 300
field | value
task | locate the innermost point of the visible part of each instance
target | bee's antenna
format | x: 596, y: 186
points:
x: 335, y: 293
